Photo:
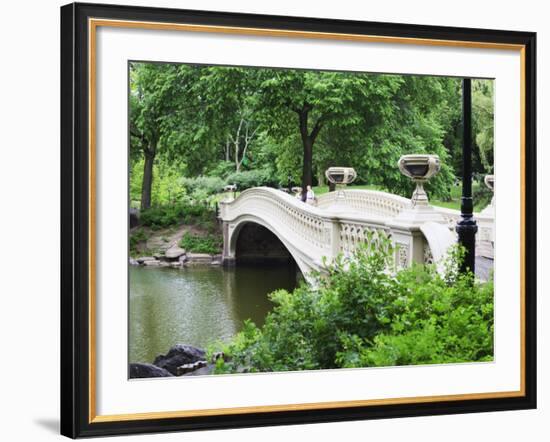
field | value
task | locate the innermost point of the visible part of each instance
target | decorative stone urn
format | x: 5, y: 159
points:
x: 341, y: 175
x: 419, y: 168
x: 231, y: 188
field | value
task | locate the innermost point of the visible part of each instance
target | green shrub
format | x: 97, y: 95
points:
x: 210, y: 243
x: 362, y: 315
x: 136, y: 237
x: 222, y: 169
x: 181, y: 213
x: 252, y: 178
x: 202, y: 187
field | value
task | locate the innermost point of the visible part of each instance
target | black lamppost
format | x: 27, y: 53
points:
x: 467, y: 227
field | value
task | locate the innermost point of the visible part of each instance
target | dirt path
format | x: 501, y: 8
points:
x: 159, y: 241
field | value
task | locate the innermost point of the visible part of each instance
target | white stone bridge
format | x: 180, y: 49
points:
x: 259, y: 220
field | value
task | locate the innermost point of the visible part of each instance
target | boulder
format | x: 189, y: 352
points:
x: 188, y: 368
x: 144, y: 259
x: 199, y: 258
x: 153, y: 262
x: 139, y: 370
x: 196, y: 256
x: 203, y: 371
x: 174, y: 252
x: 178, y: 355
x: 133, y: 262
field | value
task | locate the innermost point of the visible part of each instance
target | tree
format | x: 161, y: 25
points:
x: 154, y: 99
x: 316, y: 100
x: 199, y: 120
x: 417, y: 123
x: 228, y: 94
x: 241, y: 141
x: 483, y: 116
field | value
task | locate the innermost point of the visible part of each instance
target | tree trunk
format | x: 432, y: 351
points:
x: 307, y: 144
x: 307, y: 176
x: 308, y: 139
x: 147, y: 182
x: 321, y: 178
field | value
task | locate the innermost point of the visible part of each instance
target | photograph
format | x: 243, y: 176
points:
x: 297, y: 219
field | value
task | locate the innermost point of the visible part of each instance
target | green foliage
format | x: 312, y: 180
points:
x: 136, y: 237
x: 360, y: 315
x: 483, y: 121
x: 230, y: 122
x: 222, y: 169
x: 252, y: 178
x: 482, y: 196
x: 202, y: 187
x: 166, y: 187
x: 209, y: 243
x: 180, y: 213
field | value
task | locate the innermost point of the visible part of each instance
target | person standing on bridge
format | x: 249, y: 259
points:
x: 310, y: 196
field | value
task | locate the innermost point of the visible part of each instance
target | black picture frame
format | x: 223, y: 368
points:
x: 75, y: 221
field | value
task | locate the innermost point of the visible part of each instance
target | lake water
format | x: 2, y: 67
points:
x: 197, y: 305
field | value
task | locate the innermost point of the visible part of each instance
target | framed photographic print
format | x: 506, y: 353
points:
x: 273, y: 220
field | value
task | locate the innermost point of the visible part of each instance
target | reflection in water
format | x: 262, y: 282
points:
x: 197, y: 305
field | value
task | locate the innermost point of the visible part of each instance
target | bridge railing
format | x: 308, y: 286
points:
x: 390, y: 205
x: 370, y: 201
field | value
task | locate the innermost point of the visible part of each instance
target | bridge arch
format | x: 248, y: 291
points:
x: 246, y: 224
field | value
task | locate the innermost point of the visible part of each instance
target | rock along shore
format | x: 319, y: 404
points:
x: 181, y: 360
x: 176, y: 257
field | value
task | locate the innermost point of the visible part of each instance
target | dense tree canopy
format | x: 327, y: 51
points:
x: 272, y: 126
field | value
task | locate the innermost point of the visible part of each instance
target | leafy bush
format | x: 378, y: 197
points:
x: 210, y: 243
x: 362, y: 315
x: 252, y: 178
x: 186, y: 213
x: 136, y: 237
x: 202, y: 186
x: 222, y: 169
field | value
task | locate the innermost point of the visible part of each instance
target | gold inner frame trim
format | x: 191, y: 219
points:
x: 92, y: 28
